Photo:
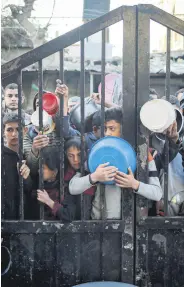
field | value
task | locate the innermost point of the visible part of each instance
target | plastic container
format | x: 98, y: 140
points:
x: 157, y: 115
x: 48, y: 124
x: 50, y: 103
x: 116, y: 151
x: 89, y: 108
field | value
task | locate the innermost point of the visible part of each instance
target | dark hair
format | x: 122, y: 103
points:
x: 12, y: 118
x: 36, y: 97
x: 11, y: 86
x: 115, y: 114
x: 96, y: 119
x: 153, y: 92
x: 173, y: 100
x: 51, y: 157
x: 73, y: 142
x: 179, y: 92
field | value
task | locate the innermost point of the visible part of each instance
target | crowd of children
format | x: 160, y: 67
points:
x: 68, y: 207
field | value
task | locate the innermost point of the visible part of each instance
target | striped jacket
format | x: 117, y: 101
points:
x: 54, y: 140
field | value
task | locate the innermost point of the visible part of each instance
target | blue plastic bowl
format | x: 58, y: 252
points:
x: 116, y: 151
x: 104, y: 284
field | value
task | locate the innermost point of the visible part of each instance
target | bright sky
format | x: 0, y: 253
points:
x: 67, y: 15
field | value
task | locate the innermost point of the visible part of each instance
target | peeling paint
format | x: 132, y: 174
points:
x: 143, y: 155
x: 106, y: 227
x: 45, y: 223
x: 115, y: 226
x: 144, y: 248
x: 128, y: 230
x: 160, y: 240
x: 38, y: 230
x: 128, y: 246
x: 58, y: 225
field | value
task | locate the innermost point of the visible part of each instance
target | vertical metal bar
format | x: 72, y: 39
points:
x: 61, y: 77
x: 2, y: 159
x: 82, y: 95
x: 167, y: 94
x: 40, y: 84
x: 142, y: 94
x: 129, y: 124
x: 101, y: 265
x: 21, y: 202
x: 102, y: 187
x: 103, y: 84
x: 91, y: 83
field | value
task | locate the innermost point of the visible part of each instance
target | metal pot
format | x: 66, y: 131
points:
x: 90, y: 107
x: 179, y: 120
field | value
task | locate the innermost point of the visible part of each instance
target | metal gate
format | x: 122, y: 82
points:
x: 137, y: 249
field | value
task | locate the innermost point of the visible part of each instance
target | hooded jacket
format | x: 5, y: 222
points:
x: 10, y: 184
x: 90, y: 140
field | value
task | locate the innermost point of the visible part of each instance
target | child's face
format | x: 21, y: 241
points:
x: 48, y: 174
x: 112, y: 128
x: 73, y: 155
x: 11, y: 134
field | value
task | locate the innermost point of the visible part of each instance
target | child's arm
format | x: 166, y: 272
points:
x: 65, y: 211
x: 152, y: 190
x: 25, y: 173
x: 80, y: 184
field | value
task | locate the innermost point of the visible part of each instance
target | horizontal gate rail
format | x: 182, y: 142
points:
x: 162, y: 223
x: 53, y: 226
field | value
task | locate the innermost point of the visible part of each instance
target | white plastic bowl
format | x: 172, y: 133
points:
x: 157, y: 115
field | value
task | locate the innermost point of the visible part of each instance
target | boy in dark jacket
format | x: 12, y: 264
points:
x: 53, y: 209
x: 10, y: 173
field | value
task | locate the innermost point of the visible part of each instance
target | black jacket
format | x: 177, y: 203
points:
x: 10, y: 184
